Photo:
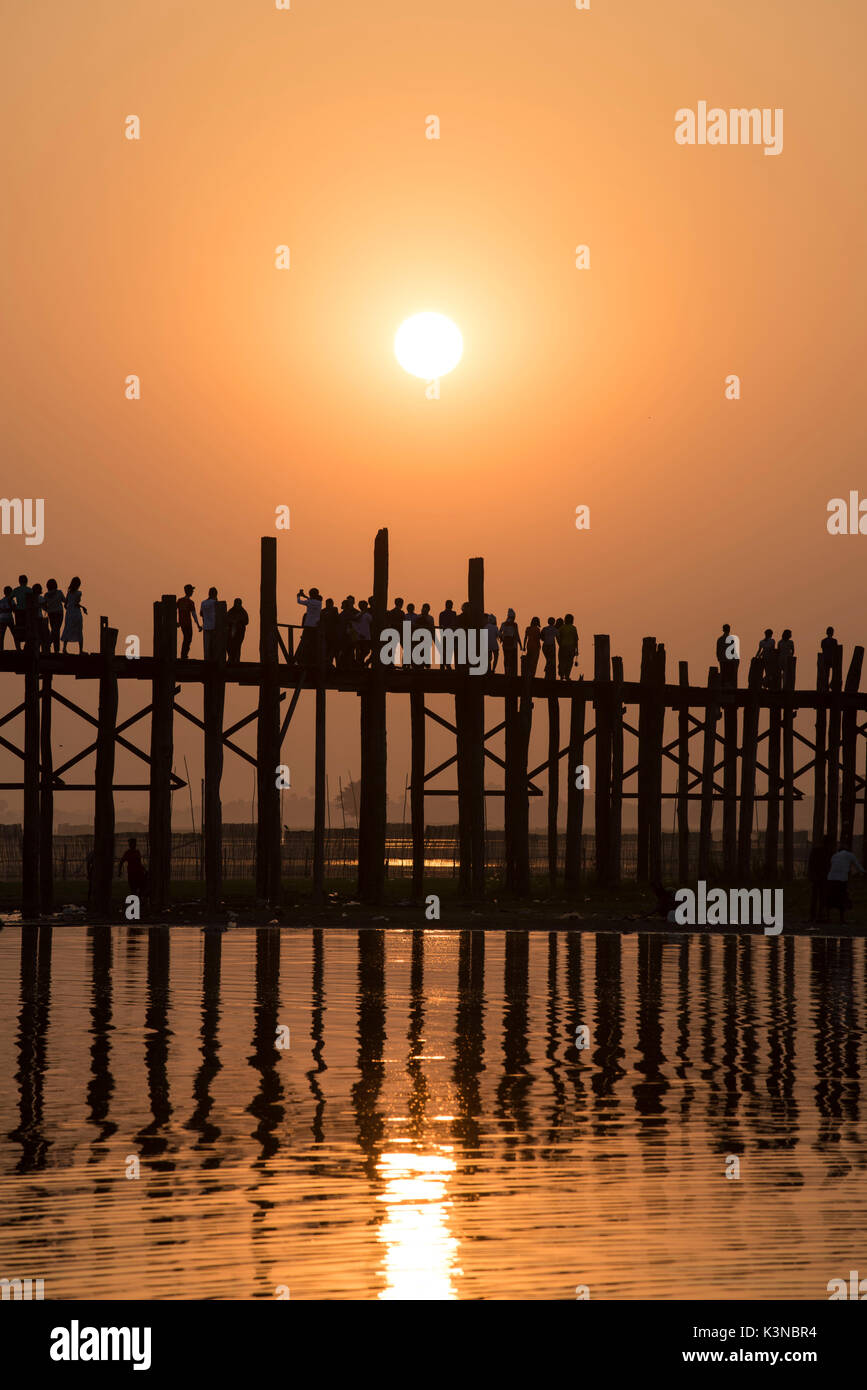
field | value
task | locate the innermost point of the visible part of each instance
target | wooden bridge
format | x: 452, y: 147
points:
x: 716, y: 750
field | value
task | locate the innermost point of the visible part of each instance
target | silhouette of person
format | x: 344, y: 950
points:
x: 208, y: 610
x: 727, y: 659
x: 329, y: 622
x: 767, y: 653
x: 53, y: 605
x: 532, y: 647
x: 568, y: 640
x: 837, y: 882
x: 7, y: 616
x: 20, y: 595
x: 73, y: 628
x: 363, y: 627
x: 308, y: 647
x: 135, y: 869
x: 830, y: 648
x: 511, y: 639
x: 448, y: 622
x: 237, y: 619
x: 549, y: 649
x: 493, y: 642
x: 785, y: 655
x: 44, y: 635
x: 187, y: 615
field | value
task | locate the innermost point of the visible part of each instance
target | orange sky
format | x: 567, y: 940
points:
x: 605, y: 387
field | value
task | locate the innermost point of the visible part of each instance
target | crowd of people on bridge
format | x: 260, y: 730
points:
x: 342, y: 637
x: 777, y: 658
x: 58, y: 615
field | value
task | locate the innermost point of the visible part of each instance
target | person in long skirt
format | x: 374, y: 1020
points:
x: 73, y: 628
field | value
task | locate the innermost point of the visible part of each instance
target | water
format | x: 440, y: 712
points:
x: 431, y: 1130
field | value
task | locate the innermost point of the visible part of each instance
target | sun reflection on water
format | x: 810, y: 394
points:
x: 421, y: 1253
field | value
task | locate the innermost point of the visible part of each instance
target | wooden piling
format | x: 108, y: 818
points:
x: 683, y: 780
x: 708, y: 760
x: 416, y: 795
x: 574, y: 795
x: 646, y: 721
x: 103, y: 806
x: 730, y: 790
x: 162, y: 750
x: 772, y: 830
x: 749, y: 756
x: 46, y: 802
x: 657, y: 730
x: 31, y: 827
x: 373, y: 808
x: 832, y: 803
x: 214, y: 699
x: 602, y: 787
x: 789, y: 773
x: 319, y: 799
x: 849, y: 741
x: 615, y: 814
x: 474, y: 713
x: 820, y: 759
x: 268, y: 751
x: 553, y: 788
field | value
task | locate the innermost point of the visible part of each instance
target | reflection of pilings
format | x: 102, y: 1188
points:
x: 747, y: 1010
x: 151, y: 1142
x: 836, y: 1034
x: 266, y: 1104
x: 32, y: 1031
x: 515, y: 1083
x: 469, y: 1043
x: 371, y: 1043
x: 317, y: 1033
x: 555, y: 1041
x: 101, y: 1087
x: 419, y: 1089
x: 577, y: 1058
x: 210, y: 1046
x: 608, y: 1032
x: 649, y: 1093
x: 781, y: 1043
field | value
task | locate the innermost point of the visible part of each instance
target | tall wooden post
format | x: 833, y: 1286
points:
x: 162, y: 750
x: 708, y: 759
x: 319, y: 798
x: 850, y: 735
x: 268, y: 833
x: 616, y: 810
x: 833, y: 763
x: 374, y: 787
x: 819, y: 762
x: 521, y: 804
x: 46, y: 803
x: 730, y: 787
x: 214, y: 699
x: 553, y: 787
x: 574, y: 795
x: 772, y: 832
x: 416, y: 792
x: 103, y: 808
x: 655, y: 771
x: 749, y: 754
x: 646, y: 720
x: 475, y: 723
x: 602, y: 788
x: 683, y: 780
x: 789, y: 773
x: 31, y: 829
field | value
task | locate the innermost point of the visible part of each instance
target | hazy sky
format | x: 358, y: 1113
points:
x: 603, y: 387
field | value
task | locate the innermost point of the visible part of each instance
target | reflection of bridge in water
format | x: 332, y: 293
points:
x: 432, y: 1125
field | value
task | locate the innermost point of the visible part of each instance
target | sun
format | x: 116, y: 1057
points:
x: 428, y: 345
